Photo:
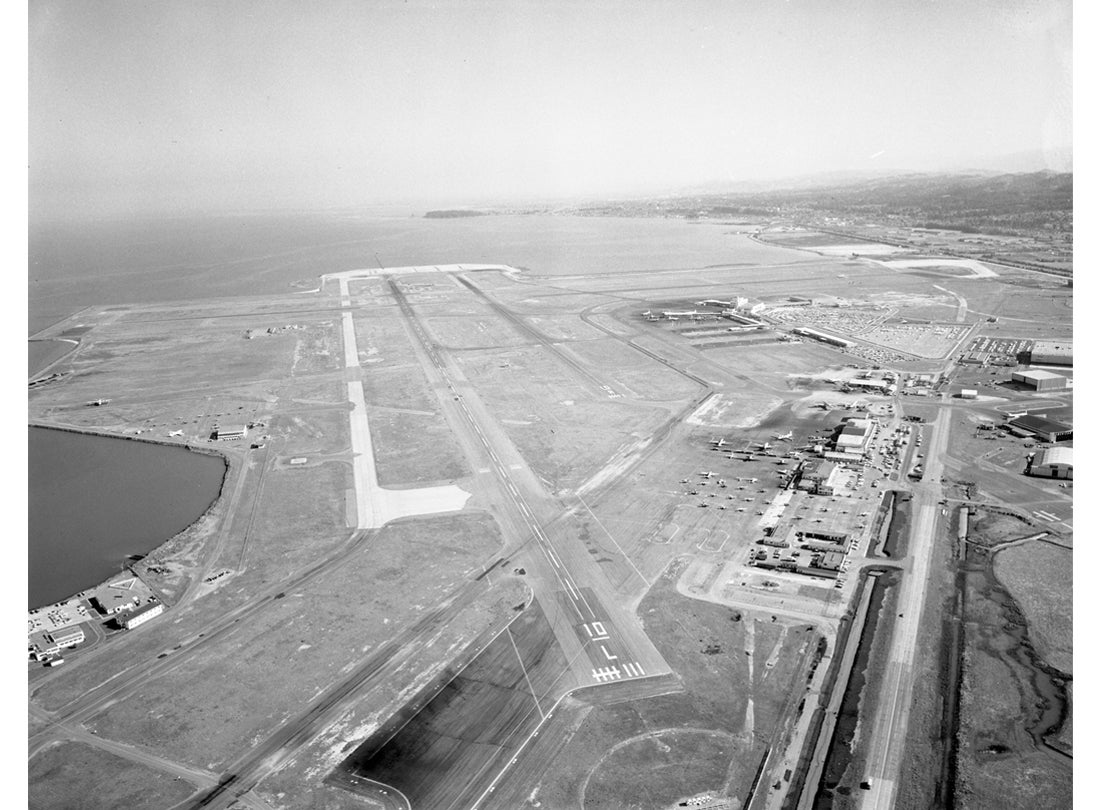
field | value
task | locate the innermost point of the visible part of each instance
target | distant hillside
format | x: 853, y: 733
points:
x: 972, y: 201
x: 453, y: 214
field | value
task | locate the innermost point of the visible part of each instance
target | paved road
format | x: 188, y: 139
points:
x: 887, y: 745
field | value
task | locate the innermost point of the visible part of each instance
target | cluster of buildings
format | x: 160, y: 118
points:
x: 44, y: 646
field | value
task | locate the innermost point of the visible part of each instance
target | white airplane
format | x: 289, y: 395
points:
x: 763, y: 445
x: 175, y: 433
x: 1015, y: 415
x: 716, y: 302
x: 706, y: 474
x: 718, y: 442
x: 783, y: 437
x: 750, y: 480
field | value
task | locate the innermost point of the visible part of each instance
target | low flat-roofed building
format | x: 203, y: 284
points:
x: 830, y: 560
x: 142, y: 615
x: 230, y: 432
x: 1054, y: 462
x: 69, y: 637
x: 969, y: 393
x: 1039, y: 379
x: 1046, y: 429
x: 1052, y: 352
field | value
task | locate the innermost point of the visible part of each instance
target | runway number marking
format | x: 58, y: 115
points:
x: 596, y: 631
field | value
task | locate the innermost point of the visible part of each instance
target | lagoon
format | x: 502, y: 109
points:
x: 96, y: 500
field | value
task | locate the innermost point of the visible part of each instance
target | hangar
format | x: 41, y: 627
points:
x: 1040, y: 380
x: 1055, y: 462
x: 1046, y: 429
x: 1052, y: 352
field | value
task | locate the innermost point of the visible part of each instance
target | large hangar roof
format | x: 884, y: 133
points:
x: 1057, y: 455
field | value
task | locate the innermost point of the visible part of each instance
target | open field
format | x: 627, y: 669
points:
x: 1040, y: 578
x: 305, y: 639
x: 78, y: 775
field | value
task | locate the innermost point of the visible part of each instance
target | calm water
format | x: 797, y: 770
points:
x: 96, y: 500
x: 77, y: 265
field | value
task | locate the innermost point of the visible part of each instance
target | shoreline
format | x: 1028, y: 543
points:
x: 132, y: 565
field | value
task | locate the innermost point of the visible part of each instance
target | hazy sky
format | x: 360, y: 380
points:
x: 156, y: 105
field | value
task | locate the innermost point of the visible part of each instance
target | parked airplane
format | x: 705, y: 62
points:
x: 783, y: 437
x: 750, y: 480
x: 175, y: 433
x: 706, y: 474
x: 1015, y: 415
x: 718, y: 442
x: 716, y: 302
x: 763, y: 445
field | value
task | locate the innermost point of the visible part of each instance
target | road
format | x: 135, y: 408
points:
x: 888, y: 731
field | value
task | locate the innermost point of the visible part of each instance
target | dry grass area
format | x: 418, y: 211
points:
x: 564, y: 430
x: 73, y: 775
x: 411, y: 449
x: 236, y: 690
x: 1040, y: 578
x: 642, y: 377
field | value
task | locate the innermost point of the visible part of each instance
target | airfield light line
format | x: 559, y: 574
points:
x: 526, y: 676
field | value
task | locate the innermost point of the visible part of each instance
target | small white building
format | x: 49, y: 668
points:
x: 969, y: 393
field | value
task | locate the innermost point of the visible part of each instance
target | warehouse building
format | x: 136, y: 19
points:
x: 1054, y: 462
x: 69, y: 637
x: 140, y: 617
x: 1040, y: 380
x: 1046, y: 429
x: 230, y: 432
x: 1052, y: 352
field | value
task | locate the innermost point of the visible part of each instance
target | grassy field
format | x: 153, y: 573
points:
x: 677, y: 763
x: 1040, y: 578
x: 563, y: 429
x: 239, y: 688
x: 412, y: 449
x: 72, y: 775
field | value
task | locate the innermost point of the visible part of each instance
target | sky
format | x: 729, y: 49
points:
x: 193, y: 106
